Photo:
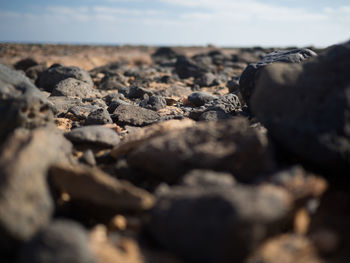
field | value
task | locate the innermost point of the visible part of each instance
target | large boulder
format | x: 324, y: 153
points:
x: 248, y: 77
x: 306, y: 107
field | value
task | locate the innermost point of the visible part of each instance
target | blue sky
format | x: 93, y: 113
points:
x: 177, y: 22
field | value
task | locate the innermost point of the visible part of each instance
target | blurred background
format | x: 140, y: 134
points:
x: 231, y: 23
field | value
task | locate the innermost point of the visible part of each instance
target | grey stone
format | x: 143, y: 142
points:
x: 62, y: 104
x: 56, y: 73
x: 114, y: 82
x: 115, y: 104
x: 137, y: 92
x: 61, y: 241
x: 134, y: 115
x: 99, y: 116
x: 222, y: 146
x: 25, y: 63
x: 154, y: 103
x: 208, y: 178
x: 25, y: 200
x: 305, y: 108
x: 218, y: 224
x: 94, y: 135
x: 72, y: 87
x: 247, y: 79
x: 206, y: 80
x: 200, y: 98
x: 186, y: 67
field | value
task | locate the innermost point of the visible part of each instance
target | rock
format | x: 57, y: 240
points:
x: 208, y: 178
x: 154, y: 103
x: 206, y: 80
x: 134, y: 115
x: 186, y: 67
x: 137, y: 92
x: 163, y: 53
x: 218, y: 224
x: 63, y: 104
x: 25, y: 63
x: 88, y: 158
x: 91, y: 185
x: 72, y: 87
x: 115, y: 104
x: 99, y: 116
x: 223, y: 146
x: 56, y: 73
x: 114, y: 82
x: 286, y: 248
x: 35, y: 72
x: 25, y: 200
x: 248, y: 77
x: 61, y: 241
x: 305, y: 108
x: 21, y: 103
x: 144, y: 134
x: 81, y: 112
x: 200, y: 98
x: 94, y: 136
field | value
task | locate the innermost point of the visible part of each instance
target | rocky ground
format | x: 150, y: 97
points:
x: 144, y: 154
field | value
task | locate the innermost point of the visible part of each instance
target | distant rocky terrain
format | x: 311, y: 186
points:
x: 174, y: 154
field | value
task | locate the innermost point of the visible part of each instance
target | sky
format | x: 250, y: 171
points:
x: 234, y: 23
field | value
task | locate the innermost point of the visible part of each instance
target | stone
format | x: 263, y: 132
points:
x: 134, y: 115
x: 81, y: 112
x: 154, y: 103
x: 25, y: 63
x: 218, y: 224
x: 305, y: 108
x: 222, y: 146
x: 115, y: 104
x: 35, y: 72
x: 200, y: 98
x: 248, y: 77
x: 164, y: 53
x: 61, y: 241
x: 137, y: 92
x: 206, y: 80
x: 114, y: 82
x: 61, y: 105
x: 94, y: 136
x: 93, y: 186
x: 88, y: 158
x: 208, y: 178
x: 25, y: 200
x: 186, y: 67
x: 99, y: 116
x: 56, y: 73
x: 138, y: 137
x: 72, y: 87
x: 21, y: 103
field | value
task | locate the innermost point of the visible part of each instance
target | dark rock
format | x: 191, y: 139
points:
x: 233, y: 85
x: 81, y: 112
x: 61, y: 241
x: 206, y: 80
x: 56, y: 73
x: 35, y: 72
x: 200, y: 98
x: 25, y: 63
x: 186, y: 67
x: 214, y: 115
x: 21, y: 103
x: 218, y: 224
x: 94, y: 135
x: 99, y: 116
x: 114, y: 82
x: 134, y: 115
x: 25, y: 200
x: 154, y: 103
x: 137, y: 92
x: 305, y: 108
x: 164, y: 52
x: 227, y: 103
x: 72, y: 87
x: 113, y: 96
x: 115, y: 104
x: 223, y: 146
x: 248, y: 77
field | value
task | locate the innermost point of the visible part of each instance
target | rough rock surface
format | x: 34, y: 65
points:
x: 134, y: 115
x: 248, y: 77
x: 72, y: 87
x: 306, y: 107
x: 56, y: 73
